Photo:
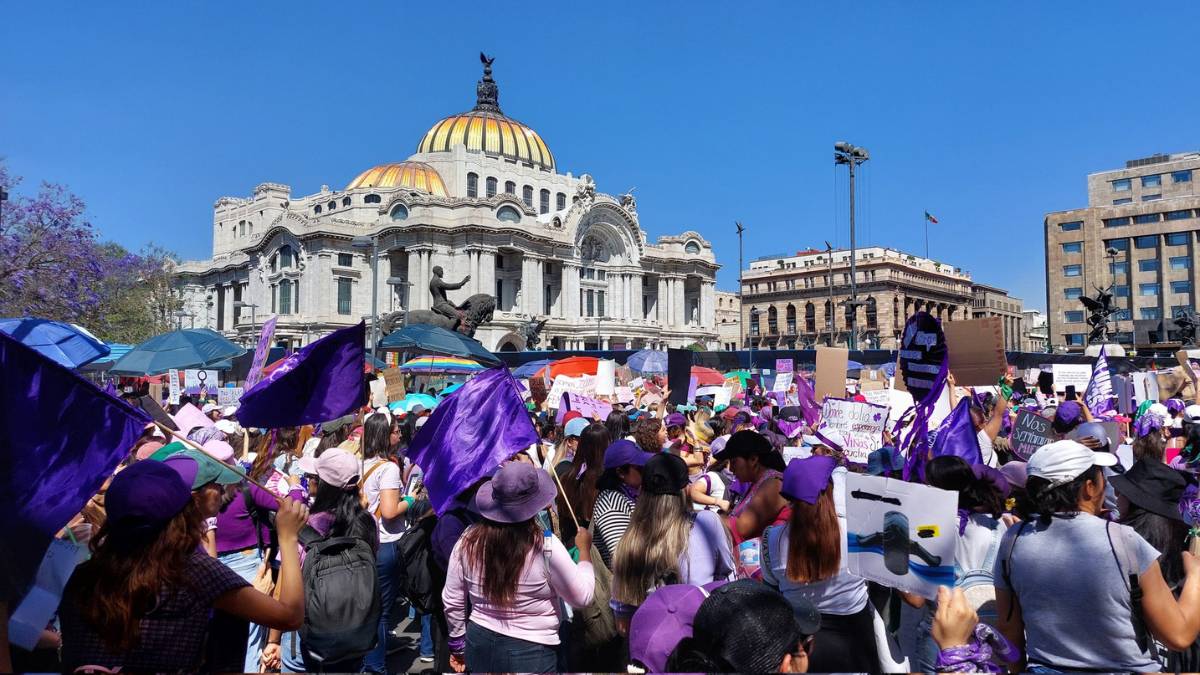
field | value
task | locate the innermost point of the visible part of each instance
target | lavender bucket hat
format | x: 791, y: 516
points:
x: 515, y: 494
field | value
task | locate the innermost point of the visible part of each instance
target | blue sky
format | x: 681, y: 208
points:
x: 987, y: 115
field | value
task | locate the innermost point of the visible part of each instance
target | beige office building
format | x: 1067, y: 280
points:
x: 729, y: 325
x: 798, y: 301
x: 1139, y: 232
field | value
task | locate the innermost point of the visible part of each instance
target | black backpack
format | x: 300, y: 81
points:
x: 341, y: 597
x: 419, y: 580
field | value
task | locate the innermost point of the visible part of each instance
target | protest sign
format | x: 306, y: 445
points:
x: 582, y: 385
x: 590, y: 408
x: 379, y: 395
x: 1174, y: 383
x: 861, y: 423
x: 40, y: 604
x: 156, y: 392
x: 922, y: 356
x: 195, y: 381
x: 1145, y: 386
x: 901, y: 534
x: 679, y: 374
x: 1078, y: 374
x: 636, y: 383
x: 606, y: 377
x: 228, y: 395
x: 723, y: 397
x: 260, y: 352
x: 871, y: 385
x: 173, y: 391
x: 624, y: 394
x: 831, y: 372
x: 878, y: 396
x: 783, y: 365
x: 1030, y: 432
x: 1182, y: 357
x: 782, y: 381
x: 393, y: 384
x: 976, y: 350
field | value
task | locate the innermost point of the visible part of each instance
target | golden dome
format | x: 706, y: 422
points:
x: 485, y: 129
x: 415, y: 175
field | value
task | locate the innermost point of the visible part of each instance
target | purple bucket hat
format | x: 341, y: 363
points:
x: 1068, y: 416
x: 516, y: 493
x: 661, y: 622
x: 804, y: 479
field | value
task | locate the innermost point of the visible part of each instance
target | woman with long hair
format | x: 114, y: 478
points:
x: 579, y: 480
x: 513, y: 576
x: 618, y: 425
x: 754, y: 462
x: 143, y: 600
x: 382, y: 493
x: 802, y: 559
x: 617, y: 492
x: 667, y: 542
x: 1075, y: 591
x: 336, y: 511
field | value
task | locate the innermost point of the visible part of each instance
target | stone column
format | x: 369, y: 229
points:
x: 635, y: 293
x: 681, y: 301
x: 662, y: 303
x: 570, y: 290
x: 487, y: 272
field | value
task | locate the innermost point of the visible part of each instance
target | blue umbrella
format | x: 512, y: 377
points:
x: 648, y: 361
x: 412, y: 400
x: 68, y: 344
x: 528, y: 370
x: 181, y: 349
x: 853, y: 365
x: 423, y: 338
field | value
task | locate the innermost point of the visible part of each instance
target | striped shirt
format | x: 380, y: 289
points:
x: 610, y: 519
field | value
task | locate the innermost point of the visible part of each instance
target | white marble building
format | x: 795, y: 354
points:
x: 481, y: 196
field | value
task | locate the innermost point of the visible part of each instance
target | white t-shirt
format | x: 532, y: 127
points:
x: 715, y: 489
x: 986, y: 451
x: 386, y: 477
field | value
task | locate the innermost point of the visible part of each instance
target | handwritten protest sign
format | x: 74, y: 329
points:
x: 861, y: 423
x: 900, y: 534
x: 1030, y: 432
x: 582, y: 385
x: 782, y: 381
x: 881, y: 397
x: 923, y: 356
x: 394, y: 381
x: 229, y: 395
x: 624, y: 394
x: 783, y: 365
x: 173, y: 387
x: 587, y: 406
x: 723, y: 397
x: 1078, y: 374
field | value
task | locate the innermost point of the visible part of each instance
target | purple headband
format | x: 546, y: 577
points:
x: 1174, y: 405
x: 1147, y: 424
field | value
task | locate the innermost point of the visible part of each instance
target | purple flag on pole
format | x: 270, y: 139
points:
x: 60, y: 438
x: 470, y: 433
x: 808, y: 400
x: 260, y: 352
x: 321, y: 382
x: 957, y: 436
x: 1099, y: 396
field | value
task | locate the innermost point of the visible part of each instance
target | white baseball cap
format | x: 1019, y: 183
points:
x: 335, y: 466
x: 1063, y: 461
x: 209, y: 407
x: 1192, y: 413
x: 1160, y: 410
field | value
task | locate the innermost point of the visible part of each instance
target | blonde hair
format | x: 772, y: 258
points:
x: 650, y: 549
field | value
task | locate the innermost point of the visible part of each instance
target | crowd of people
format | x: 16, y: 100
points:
x: 659, y: 539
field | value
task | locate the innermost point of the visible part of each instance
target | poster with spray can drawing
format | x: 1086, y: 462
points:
x: 901, y: 535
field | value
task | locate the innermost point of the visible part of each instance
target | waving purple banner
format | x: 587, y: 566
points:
x: 260, y: 352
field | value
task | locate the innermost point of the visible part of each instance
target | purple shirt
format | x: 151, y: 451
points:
x: 234, y: 529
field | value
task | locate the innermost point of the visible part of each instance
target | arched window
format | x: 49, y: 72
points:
x: 317, y: 208
x: 810, y: 318
x: 755, y: 322
x: 491, y: 186
x: 372, y: 199
x: 872, y: 319
x: 544, y: 201
x: 691, y: 247
x: 242, y: 228
x: 286, y: 258
x: 772, y: 320
x: 510, y: 188
x: 472, y: 185
x: 830, y: 319
x: 331, y: 205
x: 527, y: 195
x: 791, y: 318
x: 560, y: 201
x: 399, y: 212
x: 345, y: 201
x: 508, y: 214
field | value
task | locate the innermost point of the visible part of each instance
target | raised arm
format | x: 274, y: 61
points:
x: 1176, y: 623
x: 286, y: 613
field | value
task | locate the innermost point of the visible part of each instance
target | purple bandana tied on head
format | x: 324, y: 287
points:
x: 1147, y: 424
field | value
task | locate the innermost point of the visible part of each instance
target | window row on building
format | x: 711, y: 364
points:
x: 1150, y: 218
x: 1153, y: 180
x: 492, y: 186
x: 810, y: 318
x: 346, y: 201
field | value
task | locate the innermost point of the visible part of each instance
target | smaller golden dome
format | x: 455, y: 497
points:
x: 415, y: 175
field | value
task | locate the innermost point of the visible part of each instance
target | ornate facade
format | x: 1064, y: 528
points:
x: 482, y: 198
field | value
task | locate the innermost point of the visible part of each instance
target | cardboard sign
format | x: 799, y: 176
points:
x: 831, y: 372
x: 624, y: 375
x: 782, y: 382
x: 592, y: 409
x: 783, y: 365
x: 606, y: 377
x: 1145, y: 386
x: 229, y: 395
x: 173, y: 390
x: 976, y: 350
x: 861, y: 423
x: 156, y: 392
x: 1078, y: 374
x: 899, y: 534
x: 393, y: 381
x: 1030, y: 432
x: 923, y: 354
x: 1182, y: 357
x: 872, y: 385
x: 1174, y: 383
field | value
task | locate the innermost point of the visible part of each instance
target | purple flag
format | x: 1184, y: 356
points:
x: 808, y: 400
x: 60, y: 438
x: 1099, y: 396
x: 470, y: 433
x: 321, y: 382
x: 260, y: 352
x: 957, y: 436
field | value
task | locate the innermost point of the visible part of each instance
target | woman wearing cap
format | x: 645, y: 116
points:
x: 579, y: 479
x: 754, y: 462
x: 143, y: 600
x: 512, y: 576
x: 667, y: 542
x: 381, y: 490
x: 336, y: 512
x: 802, y: 560
x: 617, y: 492
x: 1079, y: 592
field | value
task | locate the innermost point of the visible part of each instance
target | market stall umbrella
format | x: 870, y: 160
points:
x: 181, y: 349
x: 440, y: 365
x: 67, y: 344
x: 648, y: 361
x: 528, y: 370
x: 706, y: 377
x: 572, y: 366
x: 423, y: 338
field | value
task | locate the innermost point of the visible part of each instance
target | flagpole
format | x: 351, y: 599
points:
x: 927, y: 234
x: 566, y: 500
x: 171, y: 433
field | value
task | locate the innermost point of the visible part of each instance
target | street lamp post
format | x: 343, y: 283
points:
x: 829, y: 315
x: 363, y: 242
x: 754, y: 321
x: 241, y: 305
x: 852, y: 156
x: 741, y: 323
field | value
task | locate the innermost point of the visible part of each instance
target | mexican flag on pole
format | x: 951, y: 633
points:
x: 930, y: 218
